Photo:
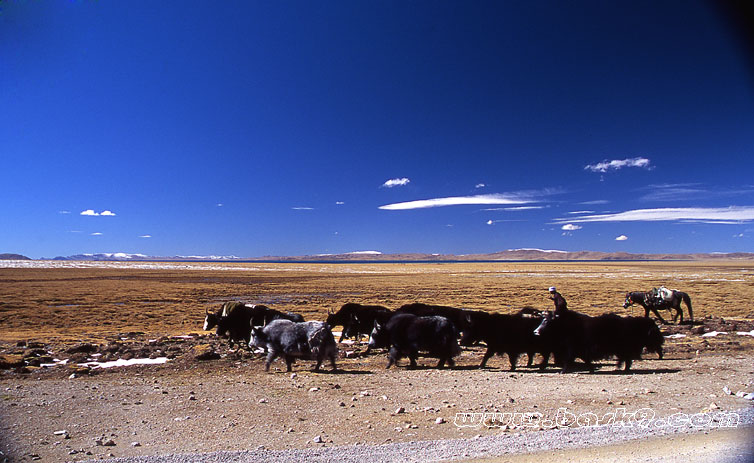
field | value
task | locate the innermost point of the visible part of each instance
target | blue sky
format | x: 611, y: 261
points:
x: 290, y: 128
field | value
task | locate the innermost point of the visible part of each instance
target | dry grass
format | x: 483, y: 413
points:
x: 74, y: 304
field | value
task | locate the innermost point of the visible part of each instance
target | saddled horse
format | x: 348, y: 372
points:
x: 648, y: 301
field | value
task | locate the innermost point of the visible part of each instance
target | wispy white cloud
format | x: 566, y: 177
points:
x: 595, y: 202
x: 393, y: 182
x: 516, y: 208
x: 460, y: 201
x: 339, y: 203
x: 621, y: 238
x: 480, y: 185
x: 92, y: 213
x: 219, y: 205
x: 687, y: 191
x: 571, y: 227
x: 145, y: 236
x: 718, y: 215
x: 616, y: 164
x: 580, y: 212
x: 96, y: 234
x: 302, y: 208
x: 64, y: 212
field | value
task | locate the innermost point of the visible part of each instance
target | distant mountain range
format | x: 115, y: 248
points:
x: 13, y: 257
x: 376, y: 256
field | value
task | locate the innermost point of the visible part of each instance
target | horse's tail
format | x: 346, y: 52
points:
x: 687, y: 301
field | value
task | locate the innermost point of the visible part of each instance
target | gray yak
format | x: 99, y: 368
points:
x: 311, y: 340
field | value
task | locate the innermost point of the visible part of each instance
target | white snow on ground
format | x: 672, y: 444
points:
x: 125, y: 363
x: 713, y: 333
x: 540, y: 250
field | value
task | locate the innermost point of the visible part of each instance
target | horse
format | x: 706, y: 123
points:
x: 648, y: 301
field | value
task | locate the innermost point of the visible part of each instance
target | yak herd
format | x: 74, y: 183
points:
x: 439, y: 331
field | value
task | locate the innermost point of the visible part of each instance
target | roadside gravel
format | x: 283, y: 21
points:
x: 464, y: 449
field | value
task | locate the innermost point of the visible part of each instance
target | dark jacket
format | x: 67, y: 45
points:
x: 560, y: 302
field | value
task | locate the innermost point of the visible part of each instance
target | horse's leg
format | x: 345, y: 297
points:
x: 687, y: 301
x: 654, y: 310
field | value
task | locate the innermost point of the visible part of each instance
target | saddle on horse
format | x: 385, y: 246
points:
x: 659, y: 295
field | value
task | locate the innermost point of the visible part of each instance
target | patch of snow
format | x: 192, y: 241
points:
x: 210, y: 257
x: 745, y: 333
x: 540, y: 250
x: 713, y: 333
x: 675, y: 336
x: 125, y: 363
x: 56, y: 362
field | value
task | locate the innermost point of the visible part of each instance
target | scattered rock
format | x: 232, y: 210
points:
x: 135, y: 444
x: 440, y: 421
x: 8, y: 361
x: 313, y: 389
x: 85, y: 348
x: 204, y: 352
x: 400, y: 410
x: 318, y: 440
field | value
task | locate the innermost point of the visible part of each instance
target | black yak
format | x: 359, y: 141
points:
x: 405, y: 335
x: 576, y: 335
x: 507, y: 334
x: 357, y: 319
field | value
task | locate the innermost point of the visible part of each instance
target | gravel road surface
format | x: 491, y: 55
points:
x: 738, y: 446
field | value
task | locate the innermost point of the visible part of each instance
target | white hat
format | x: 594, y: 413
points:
x: 552, y: 289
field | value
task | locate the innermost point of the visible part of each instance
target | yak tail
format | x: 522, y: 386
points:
x: 687, y: 301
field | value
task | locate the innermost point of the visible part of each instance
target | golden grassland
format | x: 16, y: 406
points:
x: 80, y: 301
